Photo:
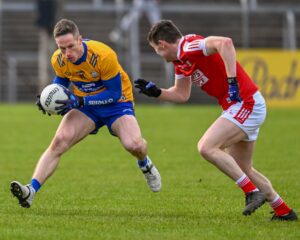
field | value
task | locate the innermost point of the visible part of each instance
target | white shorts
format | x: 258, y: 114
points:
x: 248, y: 116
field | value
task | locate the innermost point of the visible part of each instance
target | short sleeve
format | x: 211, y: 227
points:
x: 178, y: 73
x: 195, y: 48
x: 109, y: 66
x: 57, y: 64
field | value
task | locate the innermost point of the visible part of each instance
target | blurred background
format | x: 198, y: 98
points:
x: 266, y: 34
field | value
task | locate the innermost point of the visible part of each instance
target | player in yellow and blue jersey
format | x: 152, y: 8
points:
x: 102, y: 95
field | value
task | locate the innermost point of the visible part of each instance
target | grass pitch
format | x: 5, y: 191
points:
x: 99, y: 193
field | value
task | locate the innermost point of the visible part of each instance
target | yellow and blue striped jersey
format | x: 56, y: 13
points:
x: 98, y: 64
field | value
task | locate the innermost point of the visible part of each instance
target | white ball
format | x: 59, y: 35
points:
x: 50, y: 94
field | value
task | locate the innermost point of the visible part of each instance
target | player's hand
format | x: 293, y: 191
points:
x: 72, y: 102
x: 39, y: 105
x: 148, y: 88
x: 233, y: 90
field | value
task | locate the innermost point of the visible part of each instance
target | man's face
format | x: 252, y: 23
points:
x: 70, y: 46
x: 167, y: 51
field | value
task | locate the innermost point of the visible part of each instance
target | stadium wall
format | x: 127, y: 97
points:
x: 19, y: 37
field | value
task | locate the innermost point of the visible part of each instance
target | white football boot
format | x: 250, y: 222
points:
x: 25, y: 194
x: 152, y: 177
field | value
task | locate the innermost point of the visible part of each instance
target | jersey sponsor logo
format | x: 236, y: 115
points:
x: 198, y: 78
x: 89, y: 87
x: 100, y: 102
x: 94, y: 60
x: 60, y: 61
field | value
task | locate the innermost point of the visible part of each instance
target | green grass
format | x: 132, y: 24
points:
x: 99, y: 193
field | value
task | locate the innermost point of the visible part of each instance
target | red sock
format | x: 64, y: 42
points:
x: 279, y: 206
x: 245, y: 184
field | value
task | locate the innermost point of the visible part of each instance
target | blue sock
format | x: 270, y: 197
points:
x: 35, y: 184
x: 143, y: 163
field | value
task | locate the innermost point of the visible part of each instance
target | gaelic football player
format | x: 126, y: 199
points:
x: 210, y: 63
x: 102, y: 96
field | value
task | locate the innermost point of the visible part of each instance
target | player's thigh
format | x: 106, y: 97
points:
x: 74, y: 126
x: 127, y: 128
x: 242, y: 153
x: 222, y: 133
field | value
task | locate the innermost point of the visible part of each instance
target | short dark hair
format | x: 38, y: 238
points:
x: 65, y: 26
x: 164, y: 30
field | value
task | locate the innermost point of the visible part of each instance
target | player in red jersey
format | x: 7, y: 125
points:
x: 210, y: 63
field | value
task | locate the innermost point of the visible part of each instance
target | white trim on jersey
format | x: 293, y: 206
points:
x: 179, y: 76
x: 199, y: 44
x: 203, y: 46
x: 196, y: 45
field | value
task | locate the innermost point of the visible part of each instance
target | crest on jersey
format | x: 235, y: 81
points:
x: 81, y: 74
x: 68, y: 74
x: 186, y: 66
x: 94, y: 74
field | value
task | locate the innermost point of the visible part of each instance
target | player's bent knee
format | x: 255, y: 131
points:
x: 204, y: 150
x: 135, y: 145
x: 61, y: 143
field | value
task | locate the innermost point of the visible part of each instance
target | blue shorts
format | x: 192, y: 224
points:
x: 107, y: 114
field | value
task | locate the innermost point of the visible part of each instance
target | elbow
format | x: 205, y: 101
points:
x: 229, y: 41
x: 184, y: 98
x: 226, y: 42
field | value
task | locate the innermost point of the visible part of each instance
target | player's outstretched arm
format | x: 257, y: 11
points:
x: 148, y: 88
x: 178, y: 93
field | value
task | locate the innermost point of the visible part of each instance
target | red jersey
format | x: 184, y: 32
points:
x: 208, y: 72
